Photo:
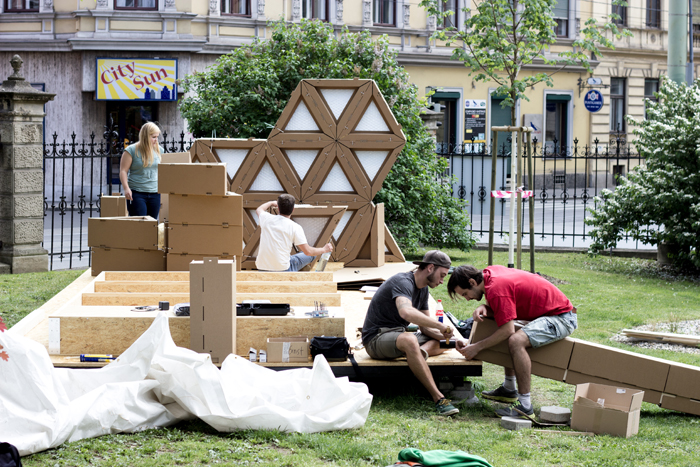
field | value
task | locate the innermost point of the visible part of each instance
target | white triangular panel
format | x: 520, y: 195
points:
x: 254, y: 214
x: 336, y: 181
x: 302, y: 159
x: 372, y: 120
x: 301, y: 120
x: 372, y: 161
x: 233, y: 158
x: 341, y: 225
x: 313, y: 227
x: 337, y: 100
x: 266, y: 180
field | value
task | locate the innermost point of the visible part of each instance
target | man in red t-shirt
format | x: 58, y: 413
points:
x: 513, y: 294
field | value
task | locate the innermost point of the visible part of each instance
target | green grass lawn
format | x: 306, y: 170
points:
x: 610, y: 294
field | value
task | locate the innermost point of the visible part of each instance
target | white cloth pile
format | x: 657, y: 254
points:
x: 155, y: 384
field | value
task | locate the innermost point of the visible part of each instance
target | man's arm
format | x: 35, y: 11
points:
x: 470, y: 351
x: 410, y: 314
x: 313, y: 251
x: 264, y: 207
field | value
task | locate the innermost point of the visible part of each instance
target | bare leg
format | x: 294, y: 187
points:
x: 408, y: 344
x: 518, y: 345
x: 433, y: 348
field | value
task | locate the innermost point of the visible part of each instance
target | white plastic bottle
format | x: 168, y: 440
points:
x: 439, y: 313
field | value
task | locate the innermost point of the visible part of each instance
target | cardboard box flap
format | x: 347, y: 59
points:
x: 609, y: 397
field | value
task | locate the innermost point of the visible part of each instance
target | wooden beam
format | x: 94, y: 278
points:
x: 171, y: 276
x: 143, y: 299
x: 241, y: 287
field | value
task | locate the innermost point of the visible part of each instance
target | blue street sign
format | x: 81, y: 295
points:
x: 593, y: 101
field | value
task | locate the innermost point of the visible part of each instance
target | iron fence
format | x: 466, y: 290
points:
x: 566, y: 182
x: 76, y: 174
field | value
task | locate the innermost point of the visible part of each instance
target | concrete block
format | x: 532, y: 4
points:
x: 555, y: 414
x: 28, y: 231
x: 29, y: 181
x: 27, y: 157
x: 512, y: 423
x: 5, y: 268
x: 28, y: 133
x: 28, y: 206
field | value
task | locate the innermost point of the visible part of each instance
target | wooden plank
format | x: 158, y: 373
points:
x: 241, y: 287
x: 142, y: 299
x: 667, y: 337
x: 178, y: 276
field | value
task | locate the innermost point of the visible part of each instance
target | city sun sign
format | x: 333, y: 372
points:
x: 136, y: 79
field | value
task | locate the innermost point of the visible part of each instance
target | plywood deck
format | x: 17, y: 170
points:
x: 349, y: 316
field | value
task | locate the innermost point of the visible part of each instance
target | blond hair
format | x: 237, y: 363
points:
x: 144, y: 147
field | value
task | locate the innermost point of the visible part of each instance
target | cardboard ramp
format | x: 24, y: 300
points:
x: 665, y: 383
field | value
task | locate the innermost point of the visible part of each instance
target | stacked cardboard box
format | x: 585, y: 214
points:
x: 668, y: 384
x: 213, y: 308
x: 170, y: 158
x: 124, y: 244
x: 203, y: 218
x: 113, y: 206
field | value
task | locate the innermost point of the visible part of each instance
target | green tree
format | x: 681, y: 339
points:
x: 659, y: 201
x: 500, y: 37
x: 243, y: 94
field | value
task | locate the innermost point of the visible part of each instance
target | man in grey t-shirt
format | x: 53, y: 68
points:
x: 401, y: 300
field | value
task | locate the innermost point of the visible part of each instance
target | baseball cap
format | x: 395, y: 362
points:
x: 436, y: 257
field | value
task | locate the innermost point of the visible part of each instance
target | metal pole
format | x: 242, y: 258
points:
x: 492, y: 214
x: 690, y: 72
x: 520, y: 203
x: 677, y: 42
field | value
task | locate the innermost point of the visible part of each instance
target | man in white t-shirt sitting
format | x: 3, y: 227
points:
x: 278, y: 234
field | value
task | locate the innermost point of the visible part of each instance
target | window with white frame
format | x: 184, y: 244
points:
x: 617, y: 104
x: 236, y: 7
x: 314, y: 9
x: 384, y: 12
x: 450, y: 21
x: 560, y: 14
x: 21, y: 5
x: 135, y: 4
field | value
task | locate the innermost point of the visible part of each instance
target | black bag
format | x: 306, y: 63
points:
x: 335, y: 349
x: 463, y: 326
x: 9, y: 456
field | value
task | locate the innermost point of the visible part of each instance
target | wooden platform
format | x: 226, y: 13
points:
x: 91, y: 329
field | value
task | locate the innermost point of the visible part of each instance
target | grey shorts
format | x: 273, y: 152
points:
x: 383, y: 345
x: 547, y: 329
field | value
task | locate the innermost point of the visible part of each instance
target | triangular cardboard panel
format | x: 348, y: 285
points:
x: 234, y: 159
x: 392, y: 252
x: 354, y: 234
x: 319, y: 109
x: 372, y: 250
x: 230, y: 151
x: 301, y: 160
x: 372, y: 162
x: 371, y: 120
x: 337, y: 99
x: 336, y: 181
x: 266, y: 180
x: 302, y: 120
x: 341, y: 225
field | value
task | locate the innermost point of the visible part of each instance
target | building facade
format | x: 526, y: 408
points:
x: 62, y: 41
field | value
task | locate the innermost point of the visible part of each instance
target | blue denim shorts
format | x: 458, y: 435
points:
x: 547, y: 329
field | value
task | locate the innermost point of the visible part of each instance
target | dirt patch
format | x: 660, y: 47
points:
x: 554, y: 280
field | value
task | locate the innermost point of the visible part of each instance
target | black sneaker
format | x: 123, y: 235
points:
x: 513, y: 411
x: 445, y: 407
x: 501, y: 394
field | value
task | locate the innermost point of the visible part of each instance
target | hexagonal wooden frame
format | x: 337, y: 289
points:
x: 324, y: 126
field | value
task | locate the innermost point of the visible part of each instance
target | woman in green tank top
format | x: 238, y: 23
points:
x: 138, y: 172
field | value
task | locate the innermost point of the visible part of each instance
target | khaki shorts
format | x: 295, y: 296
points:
x: 383, y: 345
x: 547, y: 329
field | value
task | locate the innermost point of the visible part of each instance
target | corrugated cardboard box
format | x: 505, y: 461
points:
x: 213, y: 308
x: 164, y: 213
x: 192, y: 179
x: 539, y: 369
x: 606, y: 410
x: 117, y: 259
x: 210, y: 210
x: 288, y: 349
x: 683, y: 380
x: 628, y: 368
x: 680, y: 403
x: 554, y: 355
x: 181, y: 262
x: 132, y: 233
x: 211, y: 240
x: 176, y: 158
x: 575, y: 378
x: 113, y: 206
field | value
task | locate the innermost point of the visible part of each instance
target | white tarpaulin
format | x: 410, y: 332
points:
x: 155, y: 384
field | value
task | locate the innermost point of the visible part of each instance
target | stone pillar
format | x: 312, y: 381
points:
x: 21, y: 174
x: 432, y: 120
